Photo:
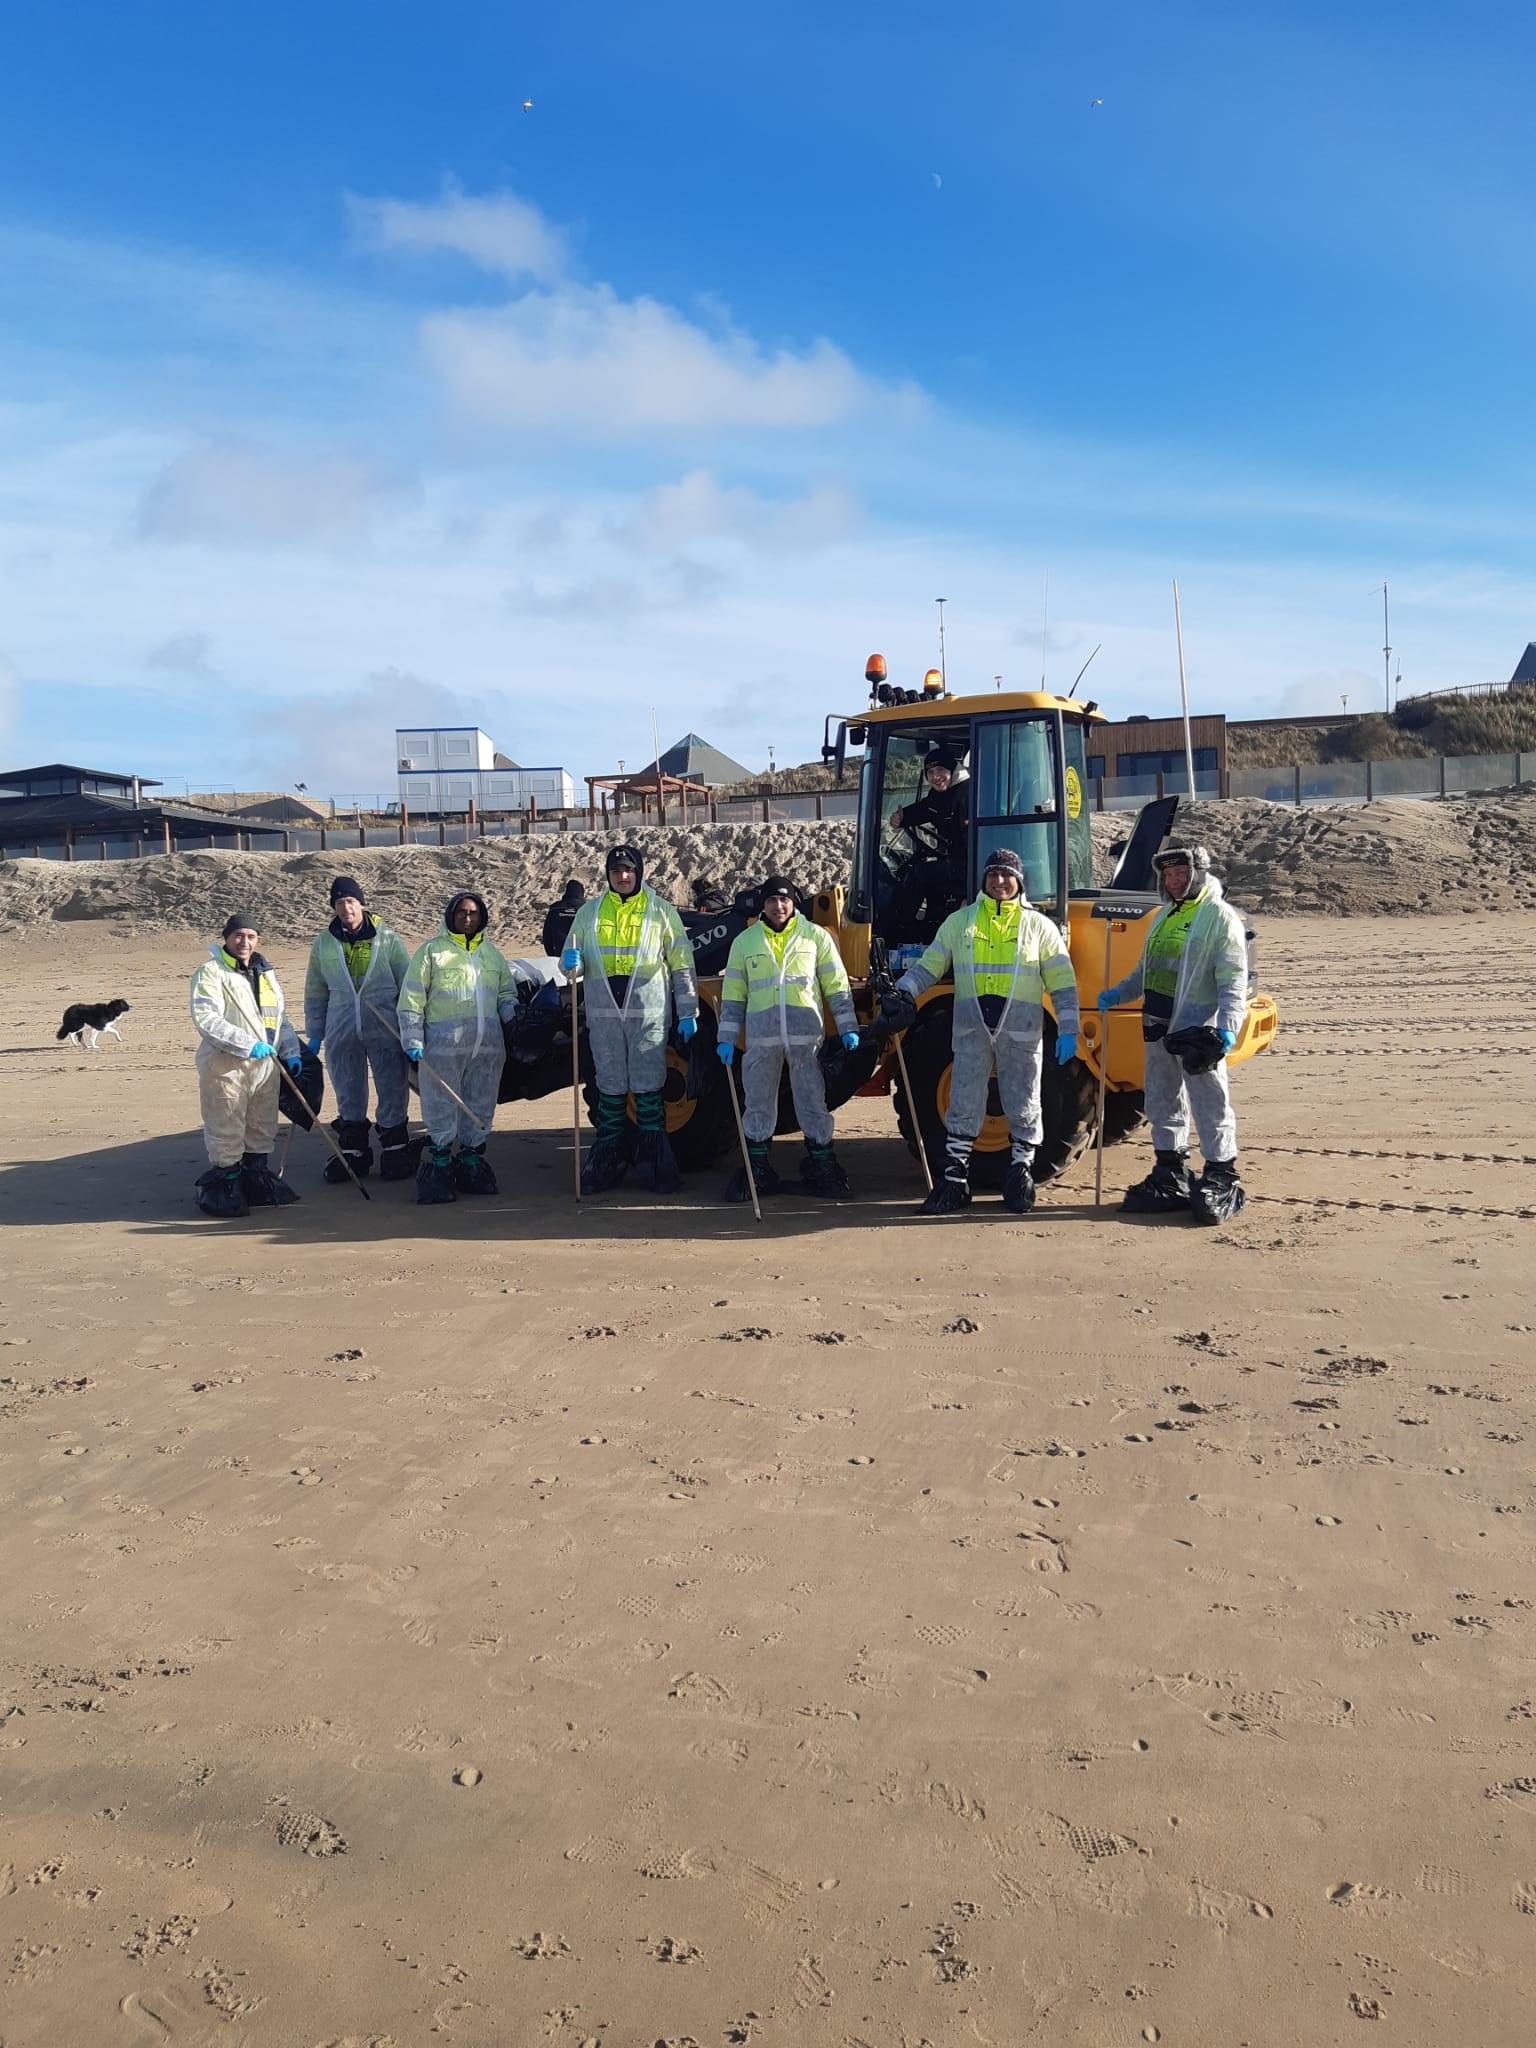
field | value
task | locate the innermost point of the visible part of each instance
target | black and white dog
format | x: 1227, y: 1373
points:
x: 84, y: 1023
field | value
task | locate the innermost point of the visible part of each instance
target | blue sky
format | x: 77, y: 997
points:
x: 338, y: 392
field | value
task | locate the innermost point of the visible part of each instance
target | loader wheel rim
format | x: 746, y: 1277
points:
x: 993, y: 1135
x: 676, y: 1102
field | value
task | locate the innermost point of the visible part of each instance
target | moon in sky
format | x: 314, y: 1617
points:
x: 938, y: 182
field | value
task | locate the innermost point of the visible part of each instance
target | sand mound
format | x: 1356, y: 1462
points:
x: 1400, y: 855
x: 409, y: 885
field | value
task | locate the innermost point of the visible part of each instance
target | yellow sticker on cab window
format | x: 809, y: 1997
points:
x: 1074, y: 794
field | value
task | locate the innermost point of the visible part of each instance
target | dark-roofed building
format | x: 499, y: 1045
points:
x: 62, y: 778
x: 48, y: 809
x: 694, y: 760
x: 1525, y: 667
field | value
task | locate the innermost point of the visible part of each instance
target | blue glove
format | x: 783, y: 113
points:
x: 725, y: 1053
x: 570, y: 960
x: 412, y: 1053
x: 1066, y: 1047
x: 686, y: 1027
x: 850, y: 1041
x: 1104, y: 1002
x: 311, y: 1045
x: 295, y: 1065
x: 1228, y: 1040
x: 261, y: 1050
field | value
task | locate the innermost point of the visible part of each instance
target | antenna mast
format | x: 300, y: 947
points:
x: 943, y: 672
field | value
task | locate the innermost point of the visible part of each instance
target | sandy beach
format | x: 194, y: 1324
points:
x: 518, y: 1624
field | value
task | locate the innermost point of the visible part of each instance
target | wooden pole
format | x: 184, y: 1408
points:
x: 1103, y: 1049
x: 906, y: 1086
x: 287, y: 1080
x: 576, y: 1081
x: 741, y: 1139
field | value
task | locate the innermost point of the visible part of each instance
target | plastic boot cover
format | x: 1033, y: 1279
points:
x: 262, y: 1187
x: 655, y: 1167
x: 1019, y: 1189
x: 823, y: 1175
x: 353, y: 1140
x: 434, y: 1176
x: 1218, y: 1194
x: 604, y: 1166
x: 1165, y: 1189
x: 220, y: 1193
x: 763, y: 1172
x: 947, y: 1196
x: 472, y: 1174
x: 399, y: 1152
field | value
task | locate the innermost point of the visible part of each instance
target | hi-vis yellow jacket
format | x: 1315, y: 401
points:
x: 778, y: 982
x: 990, y: 952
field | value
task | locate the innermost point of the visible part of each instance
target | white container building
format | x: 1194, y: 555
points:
x: 443, y: 769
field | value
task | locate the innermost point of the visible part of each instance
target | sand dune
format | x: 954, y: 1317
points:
x: 1396, y: 856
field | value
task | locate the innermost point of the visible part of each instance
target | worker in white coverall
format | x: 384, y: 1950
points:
x: 351, y: 989
x: 457, y: 993
x: 1192, y: 979
x: 636, y: 967
x: 242, y: 1030
x: 778, y: 974
x: 1005, y: 957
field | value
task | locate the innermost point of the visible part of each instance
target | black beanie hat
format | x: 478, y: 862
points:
x: 780, y: 885
x: 347, y: 885
x: 239, y: 922
x: 631, y: 856
x: 941, y: 757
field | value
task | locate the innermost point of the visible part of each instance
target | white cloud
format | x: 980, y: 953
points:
x: 699, y: 507
x: 228, y: 494
x: 576, y: 356
x: 500, y: 233
x: 346, y: 743
x: 584, y: 361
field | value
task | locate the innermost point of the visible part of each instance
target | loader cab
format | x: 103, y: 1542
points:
x: 1018, y: 782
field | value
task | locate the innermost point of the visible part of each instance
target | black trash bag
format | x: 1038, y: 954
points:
x: 310, y: 1084
x: 1198, y: 1048
x: 843, y: 1073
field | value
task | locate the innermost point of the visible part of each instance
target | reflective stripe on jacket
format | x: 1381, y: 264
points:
x: 641, y: 937
x: 1212, y: 983
x: 452, y: 987
x: 989, y: 954
x: 336, y: 993
x: 778, y: 983
x: 226, y: 1011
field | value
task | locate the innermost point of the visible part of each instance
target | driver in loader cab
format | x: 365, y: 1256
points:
x: 938, y: 824
x: 1005, y: 956
x: 944, y: 808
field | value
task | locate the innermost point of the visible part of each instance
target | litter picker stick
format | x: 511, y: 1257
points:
x: 741, y: 1137
x: 906, y: 1087
x: 575, y: 987
x: 1103, y: 1051
x: 282, y: 1150
x: 315, y: 1124
x: 422, y: 1065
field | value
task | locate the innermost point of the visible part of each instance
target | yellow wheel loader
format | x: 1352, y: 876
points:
x: 1019, y: 780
